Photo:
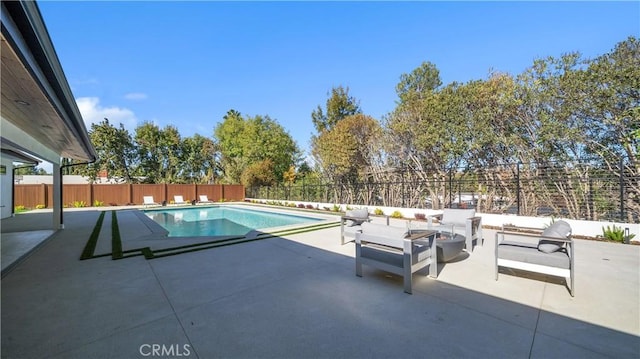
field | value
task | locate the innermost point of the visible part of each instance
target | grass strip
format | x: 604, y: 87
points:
x: 147, y: 252
x: 203, y: 247
x: 195, y: 245
x: 90, y: 247
x: 116, y: 241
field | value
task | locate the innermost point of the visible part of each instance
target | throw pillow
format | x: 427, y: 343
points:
x: 559, y: 229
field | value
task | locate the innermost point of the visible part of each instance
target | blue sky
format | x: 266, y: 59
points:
x: 187, y: 63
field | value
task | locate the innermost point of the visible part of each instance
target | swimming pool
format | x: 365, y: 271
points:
x: 221, y: 220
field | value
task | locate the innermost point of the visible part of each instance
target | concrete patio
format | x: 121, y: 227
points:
x: 297, y: 296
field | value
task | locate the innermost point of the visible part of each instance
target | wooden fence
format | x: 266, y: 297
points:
x: 33, y: 195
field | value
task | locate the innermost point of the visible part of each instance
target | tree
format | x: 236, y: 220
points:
x: 612, y: 114
x: 29, y: 170
x: 228, y: 138
x: 338, y: 106
x: 198, y: 162
x: 267, y: 139
x: 259, y: 174
x: 245, y: 142
x: 420, y: 82
x: 159, y: 153
x: 346, y: 152
x: 613, y: 107
x: 115, y: 152
x: 170, y: 153
x: 289, y: 176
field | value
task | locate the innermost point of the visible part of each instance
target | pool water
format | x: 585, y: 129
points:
x: 220, y: 221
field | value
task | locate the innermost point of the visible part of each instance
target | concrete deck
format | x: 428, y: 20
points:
x: 298, y: 297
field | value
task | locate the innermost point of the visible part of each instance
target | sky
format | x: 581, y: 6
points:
x: 187, y: 63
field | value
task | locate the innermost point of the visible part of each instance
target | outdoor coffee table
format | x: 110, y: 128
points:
x: 449, y: 245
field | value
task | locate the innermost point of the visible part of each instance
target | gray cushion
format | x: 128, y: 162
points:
x: 524, y: 252
x: 381, y: 230
x: 362, y: 213
x: 559, y: 229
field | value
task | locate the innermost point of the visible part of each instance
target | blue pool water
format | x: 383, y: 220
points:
x: 220, y: 221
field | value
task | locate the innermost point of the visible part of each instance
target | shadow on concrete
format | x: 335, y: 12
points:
x: 281, y: 298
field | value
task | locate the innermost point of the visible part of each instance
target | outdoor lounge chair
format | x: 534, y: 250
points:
x: 548, y: 251
x: 459, y: 221
x: 148, y: 201
x: 351, y: 222
x: 204, y: 199
x: 179, y: 200
x: 397, y: 251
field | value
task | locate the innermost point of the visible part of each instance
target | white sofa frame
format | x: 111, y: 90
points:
x: 394, y: 252
x: 350, y: 231
x: 536, y: 262
x: 459, y: 221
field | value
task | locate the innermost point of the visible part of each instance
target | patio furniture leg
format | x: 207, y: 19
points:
x: 433, y: 267
x: 496, y: 258
x: 407, y: 272
x: 358, y: 261
x: 572, y: 262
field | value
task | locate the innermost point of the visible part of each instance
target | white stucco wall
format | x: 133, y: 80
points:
x: 5, y: 189
x: 579, y: 227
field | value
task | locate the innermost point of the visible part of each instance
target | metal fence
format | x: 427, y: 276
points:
x: 576, y: 190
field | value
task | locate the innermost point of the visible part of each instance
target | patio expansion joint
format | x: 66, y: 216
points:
x: 173, y: 309
x: 539, y: 313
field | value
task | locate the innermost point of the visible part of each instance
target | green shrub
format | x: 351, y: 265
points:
x: 396, y: 214
x: 97, y: 203
x: 336, y: 208
x: 19, y: 208
x: 40, y: 206
x: 378, y: 212
x: 79, y: 204
x: 615, y: 234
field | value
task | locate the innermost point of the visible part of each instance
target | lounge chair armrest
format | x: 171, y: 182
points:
x: 348, y: 218
x: 532, y: 235
x: 518, y: 229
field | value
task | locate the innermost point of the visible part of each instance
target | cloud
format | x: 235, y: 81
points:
x: 136, y: 96
x: 93, y: 112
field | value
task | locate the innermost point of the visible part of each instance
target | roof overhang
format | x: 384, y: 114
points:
x: 17, y: 156
x: 39, y: 113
